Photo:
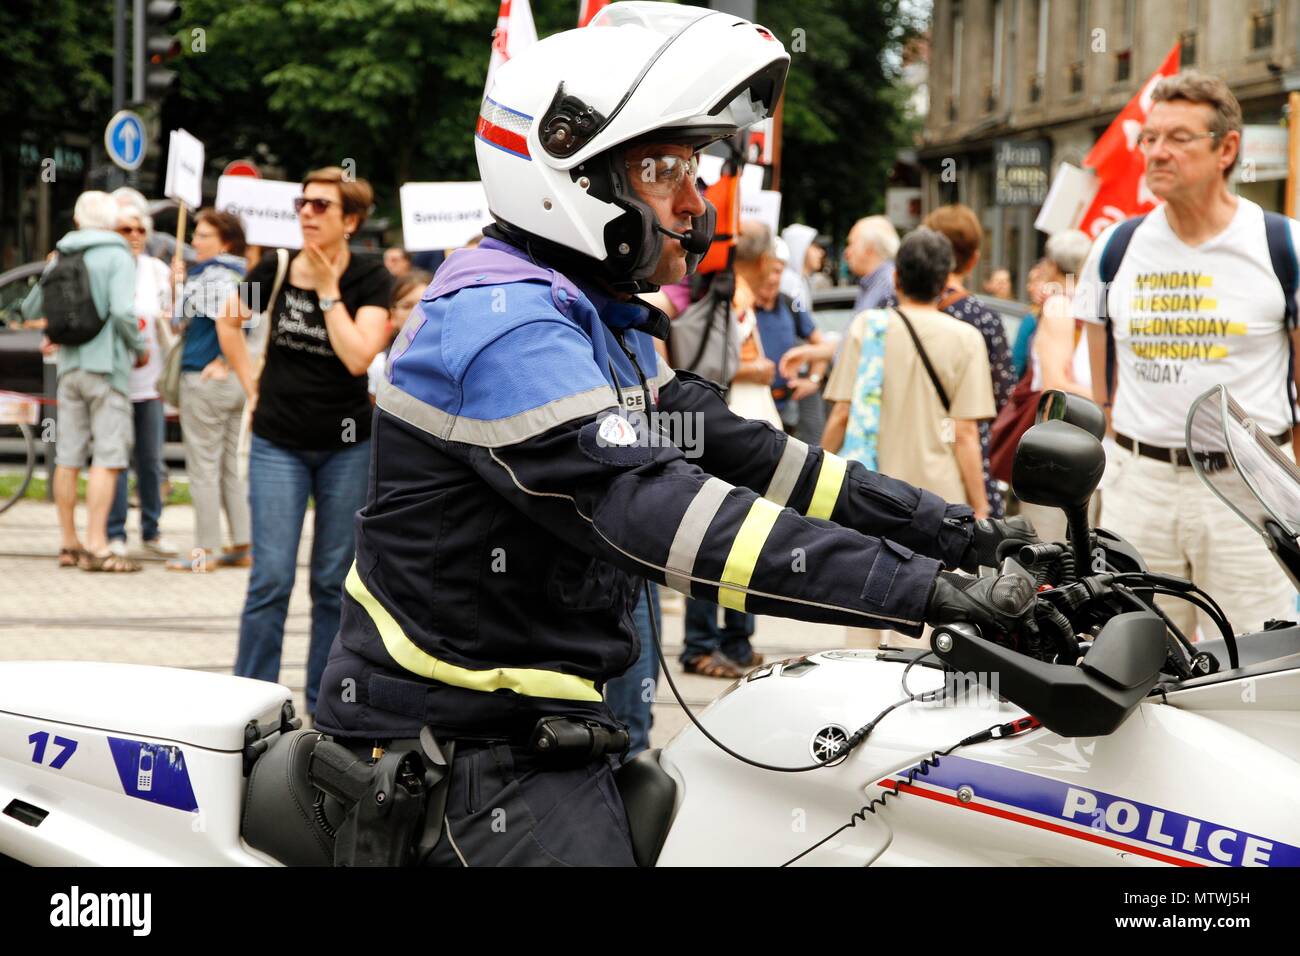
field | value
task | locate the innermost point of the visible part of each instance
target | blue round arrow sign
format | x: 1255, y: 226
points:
x: 124, y: 140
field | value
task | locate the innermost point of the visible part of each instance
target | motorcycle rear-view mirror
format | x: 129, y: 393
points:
x: 1090, y: 700
x: 1059, y: 465
x: 1080, y: 412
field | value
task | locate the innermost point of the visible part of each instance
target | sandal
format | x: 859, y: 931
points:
x: 240, y: 556
x: 70, y: 557
x: 716, y: 664
x: 198, y: 564
x: 111, y: 563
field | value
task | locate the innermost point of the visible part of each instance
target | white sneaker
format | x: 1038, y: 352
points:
x: 161, y: 547
x: 118, y: 547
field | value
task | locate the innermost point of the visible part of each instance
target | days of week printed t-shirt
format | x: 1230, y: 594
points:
x: 1186, y: 318
x: 307, y: 399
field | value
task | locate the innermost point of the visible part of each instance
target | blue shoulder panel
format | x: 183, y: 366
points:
x: 493, y: 351
x: 530, y: 366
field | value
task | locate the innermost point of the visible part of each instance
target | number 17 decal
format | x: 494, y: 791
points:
x: 40, y: 739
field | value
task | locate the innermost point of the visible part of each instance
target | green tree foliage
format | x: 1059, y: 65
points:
x: 845, y: 117
x: 56, y: 60
x: 395, y: 86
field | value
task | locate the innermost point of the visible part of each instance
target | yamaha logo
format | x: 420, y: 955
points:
x: 827, y: 742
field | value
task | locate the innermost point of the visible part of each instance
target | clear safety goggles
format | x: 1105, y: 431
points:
x: 663, y: 175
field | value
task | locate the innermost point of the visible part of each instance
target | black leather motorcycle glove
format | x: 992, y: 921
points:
x: 1003, y: 602
x: 994, y: 538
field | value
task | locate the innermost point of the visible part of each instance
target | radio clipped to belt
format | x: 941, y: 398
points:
x: 571, y: 742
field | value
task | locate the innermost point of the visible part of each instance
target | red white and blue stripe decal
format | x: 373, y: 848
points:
x: 504, y: 128
x: 1094, y: 816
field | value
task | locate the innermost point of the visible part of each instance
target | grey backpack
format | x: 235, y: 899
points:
x: 705, y: 339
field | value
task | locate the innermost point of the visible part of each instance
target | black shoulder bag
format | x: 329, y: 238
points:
x: 925, y: 360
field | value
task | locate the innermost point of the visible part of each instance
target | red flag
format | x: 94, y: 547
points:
x: 588, y: 9
x: 1119, y: 164
x: 515, y: 30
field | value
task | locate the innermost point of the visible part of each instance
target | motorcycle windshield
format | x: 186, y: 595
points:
x: 1239, y: 463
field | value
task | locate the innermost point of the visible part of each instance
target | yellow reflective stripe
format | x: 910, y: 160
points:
x: 829, y: 479
x: 745, y: 551
x: 521, y: 680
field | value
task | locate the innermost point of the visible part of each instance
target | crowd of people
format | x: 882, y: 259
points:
x: 273, y: 359
x: 270, y: 358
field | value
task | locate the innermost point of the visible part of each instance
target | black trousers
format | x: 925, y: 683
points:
x: 505, y: 809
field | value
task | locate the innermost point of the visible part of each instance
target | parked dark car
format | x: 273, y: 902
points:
x: 833, y: 310
x: 21, y: 364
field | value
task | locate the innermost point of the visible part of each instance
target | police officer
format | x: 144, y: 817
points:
x: 524, y: 478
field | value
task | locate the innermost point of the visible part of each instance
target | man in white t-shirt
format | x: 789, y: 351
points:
x: 1195, y: 302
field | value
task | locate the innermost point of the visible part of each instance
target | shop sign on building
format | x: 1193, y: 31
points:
x: 1021, y: 172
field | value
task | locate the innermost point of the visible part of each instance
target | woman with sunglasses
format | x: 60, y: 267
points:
x: 152, y: 301
x: 311, y: 415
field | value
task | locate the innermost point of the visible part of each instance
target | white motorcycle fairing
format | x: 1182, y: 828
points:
x: 1203, y: 780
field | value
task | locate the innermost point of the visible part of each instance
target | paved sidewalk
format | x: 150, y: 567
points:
x: 192, y: 620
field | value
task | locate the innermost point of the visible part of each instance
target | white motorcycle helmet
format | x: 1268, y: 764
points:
x: 555, y: 122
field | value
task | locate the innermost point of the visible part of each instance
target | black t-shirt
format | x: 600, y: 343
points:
x: 307, y: 398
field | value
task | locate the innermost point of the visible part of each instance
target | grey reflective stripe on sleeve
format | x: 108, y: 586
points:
x: 495, y: 432
x: 787, y: 472
x: 690, y: 533
x: 663, y: 373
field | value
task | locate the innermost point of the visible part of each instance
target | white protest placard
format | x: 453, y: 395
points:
x: 764, y: 205
x: 442, y: 215
x: 751, y: 178
x: 710, y: 168
x: 1069, y: 197
x: 184, y: 169
x: 265, y: 207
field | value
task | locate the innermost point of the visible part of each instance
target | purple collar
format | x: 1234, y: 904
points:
x: 494, y: 262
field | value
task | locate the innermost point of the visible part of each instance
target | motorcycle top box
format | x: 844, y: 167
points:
x: 125, y: 763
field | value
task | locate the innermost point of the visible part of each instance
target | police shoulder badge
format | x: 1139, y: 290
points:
x: 617, y: 431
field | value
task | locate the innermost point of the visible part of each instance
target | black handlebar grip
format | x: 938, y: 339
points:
x: 1032, y: 554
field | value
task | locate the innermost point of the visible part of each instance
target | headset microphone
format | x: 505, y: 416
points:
x: 695, y: 241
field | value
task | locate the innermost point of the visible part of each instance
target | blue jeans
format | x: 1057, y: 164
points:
x: 146, y: 459
x: 631, y: 695
x: 279, y: 483
x: 703, y: 636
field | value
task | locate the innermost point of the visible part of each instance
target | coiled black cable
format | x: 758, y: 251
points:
x: 853, y: 741
x: 322, y: 821
x: 920, y: 770
x: 1069, y: 571
x: 1067, y: 649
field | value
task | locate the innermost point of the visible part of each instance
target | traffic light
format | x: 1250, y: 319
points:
x: 161, y: 46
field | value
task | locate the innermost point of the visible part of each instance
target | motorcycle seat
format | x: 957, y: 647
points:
x: 280, y: 818
x: 650, y: 798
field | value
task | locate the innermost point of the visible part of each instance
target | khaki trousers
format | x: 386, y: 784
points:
x: 1181, y: 528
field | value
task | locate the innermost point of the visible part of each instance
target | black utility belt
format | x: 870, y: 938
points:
x: 554, y: 741
x: 1210, y: 461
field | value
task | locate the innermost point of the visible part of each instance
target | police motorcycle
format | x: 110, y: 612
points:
x: 1099, y: 736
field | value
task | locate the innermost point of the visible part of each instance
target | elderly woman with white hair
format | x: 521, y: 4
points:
x: 152, y: 302
x: 94, y: 410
